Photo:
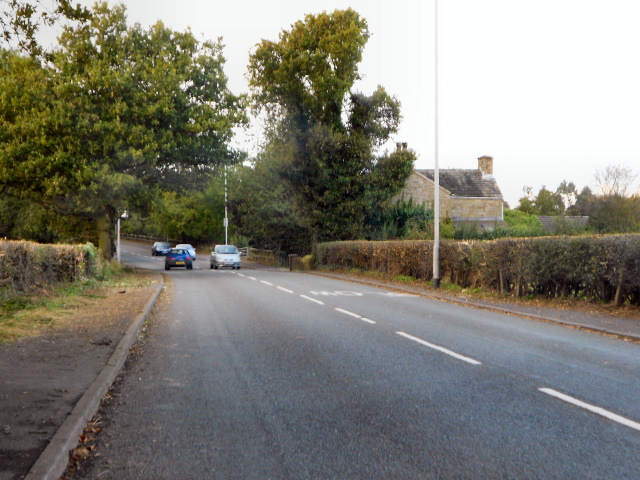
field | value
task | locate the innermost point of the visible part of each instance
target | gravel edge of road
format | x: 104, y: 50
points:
x: 54, y: 459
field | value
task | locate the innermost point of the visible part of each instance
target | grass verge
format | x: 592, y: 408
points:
x: 25, y: 314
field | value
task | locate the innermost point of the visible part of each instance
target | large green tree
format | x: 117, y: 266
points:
x: 121, y: 113
x: 324, y: 136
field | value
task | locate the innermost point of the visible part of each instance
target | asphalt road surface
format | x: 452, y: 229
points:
x: 263, y: 373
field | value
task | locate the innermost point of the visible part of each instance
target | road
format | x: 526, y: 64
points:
x: 264, y: 373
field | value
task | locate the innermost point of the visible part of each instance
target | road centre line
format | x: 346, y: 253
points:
x: 355, y: 315
x: 240, y: 274
x: 312, y: 299
x: 284, y: 289
x: 253, y: 278
x: 592, y: 408
x: 440, y: 349
x: 266, y: 283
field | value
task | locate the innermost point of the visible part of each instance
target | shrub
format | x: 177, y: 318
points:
x: 25, y: 265
x: 602, y: 268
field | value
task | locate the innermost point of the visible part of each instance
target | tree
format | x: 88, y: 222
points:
x: 121, y: 113
x: 568, y: 192
x: 323, y: 134
x: 616, y: 180
x: 617, y: 210
x: 545, y: 202
x: 20, y: 21
x: 261, y: 207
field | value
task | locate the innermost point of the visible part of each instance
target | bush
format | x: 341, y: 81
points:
x: 26, y: 265
x: 600, y: 268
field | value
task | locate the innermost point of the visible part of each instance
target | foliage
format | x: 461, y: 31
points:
x: 545, y: 202
x: 121, y: 113
x: 261, y: 208
x: 615, y: 210
x: 322, y: 136
x: 25, y: 265
x: 193, y: 216
x: 522, y: 224
x: 21, y: 20
x: 601, y: 268
x: 402, y: 219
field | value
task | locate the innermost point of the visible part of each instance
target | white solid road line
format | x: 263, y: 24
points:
x: 600, y: 411
x: 312, y: 299
x: 285, y: 289
x: 355, y: 315
x: 440, y: 349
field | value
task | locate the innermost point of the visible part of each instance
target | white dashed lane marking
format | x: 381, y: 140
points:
x: 592, y: 408
x: 355, y: 315
x: 440, y: 349
x: 312, y: 299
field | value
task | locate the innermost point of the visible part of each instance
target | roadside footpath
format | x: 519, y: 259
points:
x: 52, y: 384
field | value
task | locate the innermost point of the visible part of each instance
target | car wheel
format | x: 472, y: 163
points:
x: 216, y: 267
x: 166, y: 267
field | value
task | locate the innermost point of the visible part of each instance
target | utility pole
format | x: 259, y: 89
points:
x: 436, y: 172
x: 226, y: 219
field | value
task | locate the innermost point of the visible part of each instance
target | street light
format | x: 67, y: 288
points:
x: 226, y: 219
x: 124, y: 215
x: 436, y: 172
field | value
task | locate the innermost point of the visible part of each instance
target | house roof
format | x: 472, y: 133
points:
x: 466, y: 183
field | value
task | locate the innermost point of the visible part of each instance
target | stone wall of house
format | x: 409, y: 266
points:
x: 483, y: 211
x: 421, y: 190
x: 476, y: 209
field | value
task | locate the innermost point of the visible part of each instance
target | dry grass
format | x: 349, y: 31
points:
x: 46, y: 311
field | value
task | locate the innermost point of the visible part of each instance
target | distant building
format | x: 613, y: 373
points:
x: 467, y: 196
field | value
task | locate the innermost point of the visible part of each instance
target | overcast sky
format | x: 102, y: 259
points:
x: 549, y: 88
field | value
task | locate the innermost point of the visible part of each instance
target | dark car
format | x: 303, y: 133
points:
x: 160, y: 248
x: 178, y: 257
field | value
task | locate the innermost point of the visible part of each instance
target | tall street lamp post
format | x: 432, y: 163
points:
x: 436, y: 172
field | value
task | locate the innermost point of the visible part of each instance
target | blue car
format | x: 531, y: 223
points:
x: 178, y: 257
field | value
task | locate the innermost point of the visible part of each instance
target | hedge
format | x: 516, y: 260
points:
x: 25, y: 265
x: 604, y: 268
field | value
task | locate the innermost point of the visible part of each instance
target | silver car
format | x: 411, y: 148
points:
x: 225, y: 256
x: 188, y: 248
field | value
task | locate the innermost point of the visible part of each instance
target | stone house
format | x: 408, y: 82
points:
x: 466, y: 196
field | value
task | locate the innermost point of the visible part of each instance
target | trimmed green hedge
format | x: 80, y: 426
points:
x: 25, y: 265
x: 603, y: 268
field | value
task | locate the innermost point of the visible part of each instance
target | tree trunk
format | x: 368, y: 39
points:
x: 617, y: 301
x: 104, y: 237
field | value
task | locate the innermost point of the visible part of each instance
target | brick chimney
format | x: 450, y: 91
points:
x: 485, y: 164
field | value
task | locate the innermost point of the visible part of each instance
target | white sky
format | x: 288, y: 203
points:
x: 549, y: 88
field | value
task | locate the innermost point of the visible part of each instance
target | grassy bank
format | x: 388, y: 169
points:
x: 36, y: 311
